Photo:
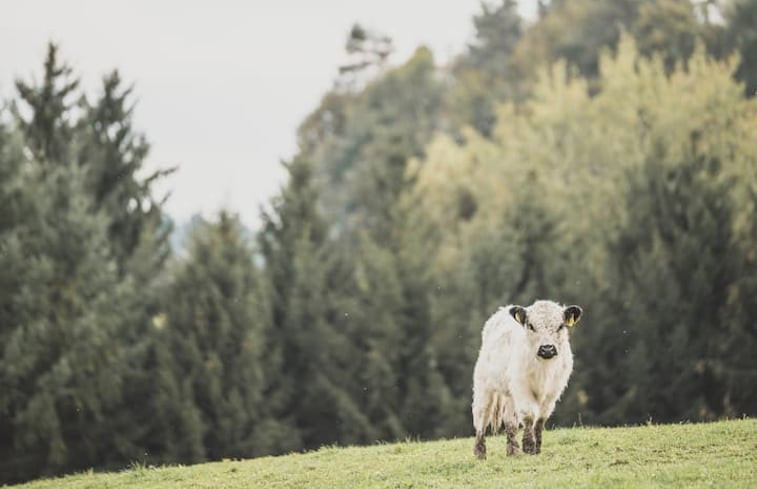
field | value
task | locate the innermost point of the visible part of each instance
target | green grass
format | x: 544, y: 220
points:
x: 722, y: 454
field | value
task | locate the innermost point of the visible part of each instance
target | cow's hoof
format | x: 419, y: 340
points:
x: 480, y: 451
x: 513, y: 451
x: 529, y: 447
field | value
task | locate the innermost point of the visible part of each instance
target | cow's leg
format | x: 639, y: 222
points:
x: 538, y: 427
x: 479, y: 449
x: 547, y: 407
x: 529, y: 440
x: 481, y: 410
x: 511, y: 426
x: 528, y: 411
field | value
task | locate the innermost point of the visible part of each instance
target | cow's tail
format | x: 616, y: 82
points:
x: 497, y: 413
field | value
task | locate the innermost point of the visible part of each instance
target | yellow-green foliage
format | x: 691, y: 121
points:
x: 721, y: 455
x: 572, y: 152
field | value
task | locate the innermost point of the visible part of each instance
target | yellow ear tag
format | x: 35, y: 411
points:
x: 570, y: 322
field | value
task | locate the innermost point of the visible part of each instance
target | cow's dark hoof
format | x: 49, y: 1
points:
x: 479, y: 450
x: 529, y: 446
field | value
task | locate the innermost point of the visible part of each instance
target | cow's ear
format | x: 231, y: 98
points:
x: 519, y: 314
x: 572, y: 315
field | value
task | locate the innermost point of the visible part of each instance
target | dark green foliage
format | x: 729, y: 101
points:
x: 364, y: 164
x: 486, y: 74
x: 669, y: 317
x: 385, y: 289
x: 308, y: 357
x: 209, y: 347
x: 113, y: 154
x: 498, y: 30
x: 742, y: 22
x: 579, y: 30
x: 667, y: 28
x: 62, y: 302
x: 680, y: 258
x: 48, y: 130
x: 368, y: 298
x: 78, y: 292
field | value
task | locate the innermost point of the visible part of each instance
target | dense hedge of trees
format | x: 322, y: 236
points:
x: 602, y: 155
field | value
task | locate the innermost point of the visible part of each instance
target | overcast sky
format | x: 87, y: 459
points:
x: 221, y: 85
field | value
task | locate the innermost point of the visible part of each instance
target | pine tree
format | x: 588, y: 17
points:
x: 677, y: 262
x: 215, y: 322
x: 742, y: 18
x: 62, y: 303
x: 363, y: 155
x: 426, y: 399
x: 485, y: 75
x: 49, y: 129
x: 114, y: 154
x: 498, y: 30
x: 81, y: 172
x: 309, y: 359
x: 61, y: 354
x: 368, y: 298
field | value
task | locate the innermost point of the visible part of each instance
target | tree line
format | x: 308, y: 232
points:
x: 601, y: 155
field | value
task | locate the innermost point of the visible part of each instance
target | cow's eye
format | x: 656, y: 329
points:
x: 560, y: 327
x: 531, y: 327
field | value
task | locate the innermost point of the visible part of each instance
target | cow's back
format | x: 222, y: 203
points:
x: 499, y: 350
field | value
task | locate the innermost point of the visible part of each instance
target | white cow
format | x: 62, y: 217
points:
x: 522, y: 369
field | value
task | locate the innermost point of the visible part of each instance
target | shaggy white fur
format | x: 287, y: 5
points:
x: 514, y: 382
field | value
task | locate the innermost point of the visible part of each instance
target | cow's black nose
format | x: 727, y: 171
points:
x: 547, y: 351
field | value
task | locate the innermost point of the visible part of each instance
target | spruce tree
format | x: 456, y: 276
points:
x: 113, y: 154
x: 485, y: 74
x: 391, y: 123
x: 212, y: 342
x: 62, y: 303
x: 49, y: 129
x: 79, y: 178
x: 309, y: 358
x: 742, y: 18
x: 676, y: 264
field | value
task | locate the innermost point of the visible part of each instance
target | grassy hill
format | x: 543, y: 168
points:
x: 722, y: 454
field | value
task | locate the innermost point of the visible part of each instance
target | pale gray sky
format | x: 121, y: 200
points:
x: 222, y: 85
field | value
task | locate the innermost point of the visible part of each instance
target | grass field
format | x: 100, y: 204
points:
x: 718, y: 455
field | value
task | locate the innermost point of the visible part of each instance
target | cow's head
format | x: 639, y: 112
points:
x: 547, y: 324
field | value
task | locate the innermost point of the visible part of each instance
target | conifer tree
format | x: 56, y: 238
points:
x: 309, y: 359
x: 486, y: 75
x: 498, y: 30
x: 63, y: 301
x: 369, y: 301
x: 677, y: 262
x: 49, y: 129
x: 742, y: 19
x: 80, y: 180
x: 114, y: 154
x: 216, y: 321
